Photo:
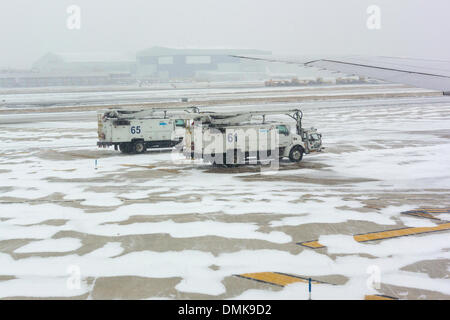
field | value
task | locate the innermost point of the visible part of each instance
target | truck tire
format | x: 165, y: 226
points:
x: 139, y: 147
x: 296, y: 154
x: 124, y: 147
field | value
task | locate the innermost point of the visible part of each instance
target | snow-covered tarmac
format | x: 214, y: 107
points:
x: 157, y: 226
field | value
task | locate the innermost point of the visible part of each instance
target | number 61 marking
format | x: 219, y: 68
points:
x: 230, y: 137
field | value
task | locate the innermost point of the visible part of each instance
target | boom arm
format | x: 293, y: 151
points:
x: 214, y: 118
x: 231, y: 118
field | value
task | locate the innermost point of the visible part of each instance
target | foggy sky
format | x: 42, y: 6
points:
x: 409, y: 28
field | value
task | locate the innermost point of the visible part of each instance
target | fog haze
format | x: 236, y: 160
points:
x: 409, y: 28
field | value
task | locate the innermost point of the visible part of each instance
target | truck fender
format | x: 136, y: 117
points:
x: 288, y: 148
x: 293, y: 153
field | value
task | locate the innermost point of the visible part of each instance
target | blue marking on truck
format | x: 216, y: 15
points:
x: 163, y: 124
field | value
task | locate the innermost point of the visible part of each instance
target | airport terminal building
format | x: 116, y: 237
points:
x: 153, y: 65
x: 200, y: 64
x: 156, y: 64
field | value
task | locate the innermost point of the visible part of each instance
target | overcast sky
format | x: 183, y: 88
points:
x: 409, y: 28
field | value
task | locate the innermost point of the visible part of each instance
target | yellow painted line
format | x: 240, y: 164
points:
x: 378, y: 297
x: 384, y: 234
x: 422, y: 214
x: 430, y: 210
x: 312, y: 244
x: 429, y: 213
x: 138, y: 166
x: 399, y: 232
x: 275, y: 278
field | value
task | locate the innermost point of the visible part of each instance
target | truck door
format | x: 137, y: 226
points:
x: 283, y: 133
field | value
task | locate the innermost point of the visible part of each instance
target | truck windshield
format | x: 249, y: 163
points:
x: 283, y: 130
x: 179, y: 123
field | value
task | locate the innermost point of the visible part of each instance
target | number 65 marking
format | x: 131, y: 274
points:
x: 136, y: 129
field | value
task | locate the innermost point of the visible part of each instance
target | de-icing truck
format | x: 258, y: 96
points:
x: 133, y: 131
x: 237, y: 138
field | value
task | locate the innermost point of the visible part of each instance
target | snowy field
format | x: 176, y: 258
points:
x: 156, y: 226
x: 18, y: 101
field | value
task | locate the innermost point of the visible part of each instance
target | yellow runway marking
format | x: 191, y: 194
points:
x: 312, y: 244
x: 429, y: 213
x: 378, y: 297
x: 435, y: 209
x: 384, y: 235
x: 283, y: 279
x: 138, y: 166
x: 422, y: 214
x: 275, y: 278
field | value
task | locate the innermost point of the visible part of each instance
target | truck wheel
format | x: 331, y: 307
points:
x: 124, y: 148
x: 139, y: 147
x: 296, y: 154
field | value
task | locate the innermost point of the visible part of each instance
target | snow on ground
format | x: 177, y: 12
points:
x: 50, y: 245
x: 149, y: 216
x: 21, y: 100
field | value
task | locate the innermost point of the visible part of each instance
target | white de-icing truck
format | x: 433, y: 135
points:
x: 133, y: 131
x: 228, y: 138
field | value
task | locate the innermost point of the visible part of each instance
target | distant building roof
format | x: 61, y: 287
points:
x: 162, y: 51
x: 89, y: 57
x: 53, y: 75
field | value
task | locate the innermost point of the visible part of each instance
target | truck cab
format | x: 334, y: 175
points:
x: 293, y: 145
